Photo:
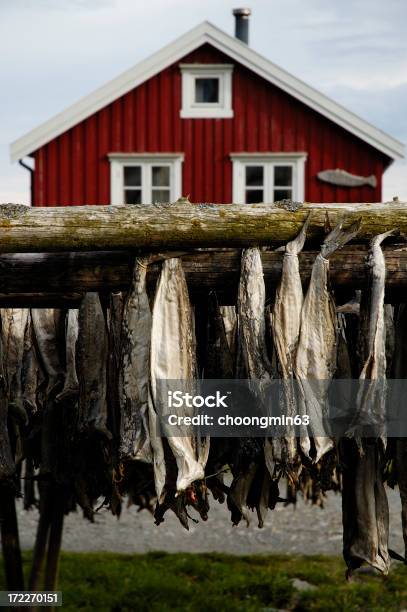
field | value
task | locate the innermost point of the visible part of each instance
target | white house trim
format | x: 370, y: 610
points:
x: 119, y: 160
x: 241, y: 160
x: 236, y: 50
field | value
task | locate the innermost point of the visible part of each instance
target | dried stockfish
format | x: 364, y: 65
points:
x: 14, y: 323
x: 134, y: 370
x: 31, y: 373
x: 316, y: 354
x: 49, y: 334
x: 70, y: 389
x: 92, y: 347
x: 7, y: 466
x: 364, y: 501
x: 114, y: 319
x: 173, y: 358
x: 48, y: 325
x: 365, y: 510
x: 286, y: 319
x: 251, y: 320
x: 254, y: 365
x: 399, y: 371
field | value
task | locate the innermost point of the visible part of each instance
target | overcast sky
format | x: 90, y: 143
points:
x: 53, y: 52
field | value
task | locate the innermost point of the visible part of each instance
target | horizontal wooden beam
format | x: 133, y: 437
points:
x: 55, y: 279
x: 181, y: 225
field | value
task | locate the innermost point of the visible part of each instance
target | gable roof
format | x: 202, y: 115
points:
x: 234, y: 48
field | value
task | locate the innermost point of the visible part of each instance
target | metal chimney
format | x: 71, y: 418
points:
x: 242, y: 24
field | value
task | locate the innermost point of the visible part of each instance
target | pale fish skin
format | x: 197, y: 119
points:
x: 316, y: 354
x: 365, y: 505
x: 286, y: 321
x: 173, y: 357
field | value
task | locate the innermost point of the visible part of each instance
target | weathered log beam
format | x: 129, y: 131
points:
x: 180, y: 225
x: 58, y: 279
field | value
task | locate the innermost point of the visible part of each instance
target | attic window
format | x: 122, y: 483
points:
x: 206, y: 90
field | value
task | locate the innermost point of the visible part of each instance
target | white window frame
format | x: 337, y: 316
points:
x: 191, y: 108
x: 268, y: 161
x: 119, y: 160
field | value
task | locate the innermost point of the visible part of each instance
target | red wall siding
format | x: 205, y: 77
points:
x: 74, y: 168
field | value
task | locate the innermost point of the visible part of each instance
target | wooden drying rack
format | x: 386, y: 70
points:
x: 50, y: 256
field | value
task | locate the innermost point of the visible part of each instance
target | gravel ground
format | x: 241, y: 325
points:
x: 304, y: 529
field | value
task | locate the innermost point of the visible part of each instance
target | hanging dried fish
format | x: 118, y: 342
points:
x: 49, y: 334
x: 364, y: 500
x: 115, y: 319
x: 48, y: 325
x: 70, y: 389
x: 365, y: 510
x: 173, y: 358
x: 134, y: 370
x: 7, y: 466
x: 91, y: 356
x: 316, y: 354
x: 251, y: 454
x: 371, y: 400
x: 286, y: 319
x: 251, y: 321
x: 400, y: 372
x: 14, y: 323
x: 31, y: 374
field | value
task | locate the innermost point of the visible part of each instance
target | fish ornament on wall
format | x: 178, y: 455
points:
x: 341, y: 178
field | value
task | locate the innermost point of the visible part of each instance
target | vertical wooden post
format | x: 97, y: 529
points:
x: 10, y: 540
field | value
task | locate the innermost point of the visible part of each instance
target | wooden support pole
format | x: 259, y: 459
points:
x: 10, y: 540
x: 41, y: 538
x: 181, y: 225
x: 54, y: 544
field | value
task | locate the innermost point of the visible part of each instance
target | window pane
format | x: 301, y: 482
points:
x: 132, y: 175
x: 254, y: 175
x: 161, y: 176
x: 160, y: 195
x: 254, y: 195
x: 282, y: 194
x: 132, y: 196
x: 283, y: 175
x: 207, y: 91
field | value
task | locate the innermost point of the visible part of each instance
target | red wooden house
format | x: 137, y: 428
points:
x: 210, y: 118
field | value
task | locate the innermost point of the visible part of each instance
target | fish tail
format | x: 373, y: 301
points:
x: 371, y: 180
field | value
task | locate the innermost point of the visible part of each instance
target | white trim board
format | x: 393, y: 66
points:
x: 235, y: 49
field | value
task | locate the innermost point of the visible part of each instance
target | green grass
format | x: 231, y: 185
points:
x: 159, y: 582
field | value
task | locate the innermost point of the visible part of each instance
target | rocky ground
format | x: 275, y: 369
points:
x: 302, y: 529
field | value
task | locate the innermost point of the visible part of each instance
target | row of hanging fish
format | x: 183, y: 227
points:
x: 80, y: 396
